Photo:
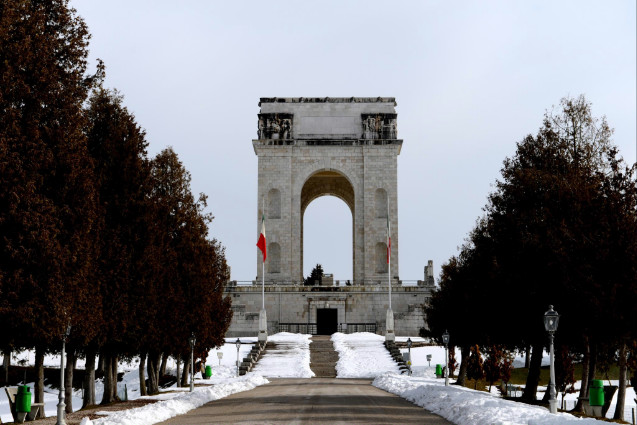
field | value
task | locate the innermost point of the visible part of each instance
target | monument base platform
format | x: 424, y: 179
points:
x: 323, y: 310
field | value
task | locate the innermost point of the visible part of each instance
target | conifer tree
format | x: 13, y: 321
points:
x: 118, y: 148
x: 47, y: 201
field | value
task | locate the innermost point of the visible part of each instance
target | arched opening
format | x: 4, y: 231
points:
x: 274, y: 203
x: 328, y: 239
x: 381, y: 258
x: 274, y: 258
x: 381, y: 203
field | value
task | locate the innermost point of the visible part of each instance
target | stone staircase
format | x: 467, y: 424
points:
x: 323, y: 357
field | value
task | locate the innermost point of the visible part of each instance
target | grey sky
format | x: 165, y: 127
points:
x: 471, y: 78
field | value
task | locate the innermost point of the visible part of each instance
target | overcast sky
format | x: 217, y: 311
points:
x: 471, y: 78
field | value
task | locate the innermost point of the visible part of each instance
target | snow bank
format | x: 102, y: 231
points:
x: 180, y: 403
x: 465, y: 406
x: 290, y: 358
x: 362, y: 355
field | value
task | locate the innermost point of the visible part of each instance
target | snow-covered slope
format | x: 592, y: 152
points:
x: 362, y: 355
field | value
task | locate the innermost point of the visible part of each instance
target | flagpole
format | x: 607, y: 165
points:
x: 390, y: 335
x: 263, y: 265
x: 263, y: 320
x: 388, y: 253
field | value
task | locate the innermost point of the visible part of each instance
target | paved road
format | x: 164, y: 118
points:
x: 311, y: 401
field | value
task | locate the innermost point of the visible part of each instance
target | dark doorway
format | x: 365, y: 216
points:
x: 326, y: 321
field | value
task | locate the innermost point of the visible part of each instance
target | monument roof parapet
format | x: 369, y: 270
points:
x: 328, y: 100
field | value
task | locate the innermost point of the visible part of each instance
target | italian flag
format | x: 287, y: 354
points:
x: 261, y: 241
x: 388, y: 237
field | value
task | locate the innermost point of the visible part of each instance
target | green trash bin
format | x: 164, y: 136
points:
x: 23, y: 399
x: 208, y: 372
x: 596, y: 393
x: 438, y: 371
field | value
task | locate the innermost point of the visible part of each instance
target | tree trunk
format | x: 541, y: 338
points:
x: 583, y: 392
x: 462, y: 372
x: 89, y: 379
x: 39, y: 380
x: 107, y: 366
x: 164, y: 363
x: 100, y: 364
x: 621, y: 394
x: 527, y: 357
x: 178, y: 359
x: 157, y: 371
x: 142, y: 374
x: 6, y: 364
x: 533, y: 378
x: 114, y: 364
x: 71, y: 359
x: 184, y: 375
x: 153, y: 387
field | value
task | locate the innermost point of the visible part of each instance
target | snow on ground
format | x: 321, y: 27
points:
x: 290, y: 358
x: 178, y: 403
x: 362, y: 355
x: 465, y: 406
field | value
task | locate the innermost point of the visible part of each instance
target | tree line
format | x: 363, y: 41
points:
x: 559, y: 228
x: 96, y: 237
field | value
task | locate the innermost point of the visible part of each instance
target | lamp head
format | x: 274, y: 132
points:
x: 408, y: 342
x: 192, y: 340
x: 551, y: 320
x: 238, y: 343
x: 445, y: 338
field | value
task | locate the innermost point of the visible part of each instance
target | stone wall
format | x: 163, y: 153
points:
x: 355, y: 304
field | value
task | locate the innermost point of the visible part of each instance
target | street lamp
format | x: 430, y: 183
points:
x: 445, y: 339
x: 238, y: 346
x: 61, y: 420
x: 551, y: 319
x: 409, y: 351
x: 192, y: 340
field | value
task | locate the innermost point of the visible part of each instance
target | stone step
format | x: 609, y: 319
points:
x: 323, y: 357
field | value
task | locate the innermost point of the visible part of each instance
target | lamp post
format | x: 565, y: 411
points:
x: 61, y: 420
x: 551, y: 319
x: 192, y: 340
x: 409, y: 351
x: 238, y: 346
x: 445, y: 339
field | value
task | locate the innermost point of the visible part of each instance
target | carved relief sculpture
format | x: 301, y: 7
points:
x: 275, y: 126
x: 379, y: 126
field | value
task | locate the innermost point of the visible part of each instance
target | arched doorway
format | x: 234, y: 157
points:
x: 323, y: 183
x: 328, y: 238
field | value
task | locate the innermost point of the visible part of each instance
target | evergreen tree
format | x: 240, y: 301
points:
x: 47, y: 200
x: 122, y: 172
x: 315, y: 277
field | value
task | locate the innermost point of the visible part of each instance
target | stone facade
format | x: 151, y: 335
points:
x: 311, y: 147
x: 354, y: 304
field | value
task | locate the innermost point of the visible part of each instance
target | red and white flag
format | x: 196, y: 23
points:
x: 261, y: 241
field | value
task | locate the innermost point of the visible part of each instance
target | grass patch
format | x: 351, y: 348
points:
x: 518, y: 376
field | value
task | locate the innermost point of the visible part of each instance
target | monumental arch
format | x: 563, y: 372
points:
x: 348, y: 148
x: 344, y: 147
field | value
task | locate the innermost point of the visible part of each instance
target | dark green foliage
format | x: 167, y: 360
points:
x: 316, y: 276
